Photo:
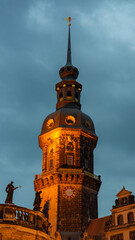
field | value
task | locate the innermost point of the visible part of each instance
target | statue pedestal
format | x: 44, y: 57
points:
x: 9, y: 213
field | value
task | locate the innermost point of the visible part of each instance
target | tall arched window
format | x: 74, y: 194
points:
x: 120, y: 219
x: 69, y: 94
x: 60, y: 96
x: 130, y: 217
x: 76, y: 95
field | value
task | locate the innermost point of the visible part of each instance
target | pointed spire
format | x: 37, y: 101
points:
x: 69, y: 62
x: 69, y: 72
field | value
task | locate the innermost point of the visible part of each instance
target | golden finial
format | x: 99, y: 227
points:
x: 69, y: 19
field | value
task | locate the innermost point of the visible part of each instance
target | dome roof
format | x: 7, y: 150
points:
x: 68, y: 117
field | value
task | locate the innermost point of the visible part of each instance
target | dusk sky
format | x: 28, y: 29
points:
x: 33, y: 47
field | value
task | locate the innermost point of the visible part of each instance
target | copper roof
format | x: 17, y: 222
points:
x: 96, y: 227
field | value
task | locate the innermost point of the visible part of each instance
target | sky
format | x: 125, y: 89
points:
x: 33, y: 47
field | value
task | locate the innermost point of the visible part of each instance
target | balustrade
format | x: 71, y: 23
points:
x: 23, y: 216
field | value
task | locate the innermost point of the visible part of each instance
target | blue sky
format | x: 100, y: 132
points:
x: 33, y: 46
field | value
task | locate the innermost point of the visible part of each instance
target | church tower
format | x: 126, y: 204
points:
x: 68, y: 139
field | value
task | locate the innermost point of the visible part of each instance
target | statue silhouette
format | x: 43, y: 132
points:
x: 37, y: 201
x: 10, y: 190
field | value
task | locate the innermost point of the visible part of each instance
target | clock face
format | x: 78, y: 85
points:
x: 69, y: 192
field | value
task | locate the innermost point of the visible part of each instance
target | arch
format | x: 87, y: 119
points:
x: 120, y: 219
x: 76, y: 95
x: 130, y: 217
x: 70, y: 146
x: 61, y: 96
x: 69, y: 94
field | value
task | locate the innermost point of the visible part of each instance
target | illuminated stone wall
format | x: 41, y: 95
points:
x: 14, y: 232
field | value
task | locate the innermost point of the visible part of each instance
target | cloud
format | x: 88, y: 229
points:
x: 33, y: 47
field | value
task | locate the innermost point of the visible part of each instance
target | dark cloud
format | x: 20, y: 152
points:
x: 33, y: 43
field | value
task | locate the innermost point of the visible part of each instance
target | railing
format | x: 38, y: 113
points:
x: 68, y: 170
x: 25, y: 217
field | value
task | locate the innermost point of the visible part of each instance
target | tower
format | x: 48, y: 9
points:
x: 68, y: 184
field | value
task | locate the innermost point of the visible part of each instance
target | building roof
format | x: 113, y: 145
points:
x: 123, y: 193
x: 82, y: 121
x: 96, y: 227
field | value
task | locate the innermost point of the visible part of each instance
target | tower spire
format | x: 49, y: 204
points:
x: 69, y: 72
x: 69, y: 62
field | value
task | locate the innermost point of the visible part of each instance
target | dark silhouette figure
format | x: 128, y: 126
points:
x: 10, y: 190
x: 37, y: 201
x: 46, y: 209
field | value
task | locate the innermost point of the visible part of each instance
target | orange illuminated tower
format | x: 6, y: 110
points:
x: 67, y: 139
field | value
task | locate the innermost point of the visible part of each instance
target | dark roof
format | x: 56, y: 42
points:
x: 96, y: 227
x: 59, y: 117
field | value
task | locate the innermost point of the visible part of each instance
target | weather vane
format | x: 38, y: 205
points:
x: 69, y: 20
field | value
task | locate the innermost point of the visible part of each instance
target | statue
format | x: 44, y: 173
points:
x: 10, y: 190
x: 37, y: 201
x: 46, y: 209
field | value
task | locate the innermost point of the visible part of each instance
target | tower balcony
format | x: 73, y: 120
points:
x: 67, y: 176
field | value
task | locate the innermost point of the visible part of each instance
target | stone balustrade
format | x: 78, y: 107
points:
x: 12, y: 214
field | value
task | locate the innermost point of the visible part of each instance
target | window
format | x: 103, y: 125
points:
x: 51, y: 163
x: 61, y: 97
x: 117, y: 237
x: 132, y: 235
x: 130, y: 217
x: 120, y: 220
x: 69, y: 159
x: 70, y: 146
x: 69, y: 94
x: 76, y: 95
x: 70, y: 120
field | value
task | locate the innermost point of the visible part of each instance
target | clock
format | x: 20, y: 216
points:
x: 69, y: 192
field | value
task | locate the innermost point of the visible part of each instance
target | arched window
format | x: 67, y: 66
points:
x: 120, y: 219
x: 60, y: 96
x: 130, y: 217
x: 70, y: 146
x: 69, y: 94
x: 76, y: 95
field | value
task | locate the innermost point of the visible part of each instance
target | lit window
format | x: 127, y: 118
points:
x: 120, y: 220
x: 51, y: 163
x: 69, y: 160
x: 130, y: 217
